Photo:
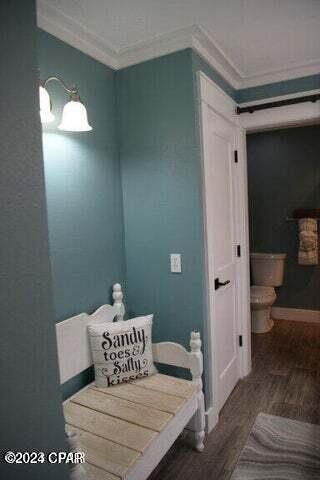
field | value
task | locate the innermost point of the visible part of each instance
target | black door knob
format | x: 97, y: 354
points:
x: 218, y: 284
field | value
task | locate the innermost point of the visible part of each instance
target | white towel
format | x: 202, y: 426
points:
x: 308, y: 236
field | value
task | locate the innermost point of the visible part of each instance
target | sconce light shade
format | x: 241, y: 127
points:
x: 45, y: 106
x: 74, y: 117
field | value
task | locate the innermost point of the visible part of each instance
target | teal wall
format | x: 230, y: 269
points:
x: 276, y: 89
x: 83, y: 187
x: 161, y: 180
x: 284, y: 174
x: 83, y: 184
x: 31, y: 416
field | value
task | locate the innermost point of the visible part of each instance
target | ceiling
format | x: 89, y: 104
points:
x: 249, y: 41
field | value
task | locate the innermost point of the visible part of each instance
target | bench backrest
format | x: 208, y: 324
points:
x: 74, y: 349
x: 72, y: 338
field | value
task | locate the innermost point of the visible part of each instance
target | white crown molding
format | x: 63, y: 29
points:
x: 70, y: 31
x: 156, y: 47
x: 194, y: 36
x: 290, y: 73
x: 209, y: 50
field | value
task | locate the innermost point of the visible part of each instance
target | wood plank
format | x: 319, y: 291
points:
x: 104, y: 454
x: 302, y: 387
x: 116, y: 407
x: 95, y: 473
x: 150, y: 398
x: 111, y: 428
x: 303, y: 413
x: 167, y: 384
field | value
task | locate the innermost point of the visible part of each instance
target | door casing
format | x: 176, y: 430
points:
x: 282, y: 117
x: 211, y: 95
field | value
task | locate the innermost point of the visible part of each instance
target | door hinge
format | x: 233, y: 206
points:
x: 236, y: 156
x: 238, y: 250
x: 240, y: 341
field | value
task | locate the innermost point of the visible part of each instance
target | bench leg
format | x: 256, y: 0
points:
x: 77, y: 471
x: 195, y: 430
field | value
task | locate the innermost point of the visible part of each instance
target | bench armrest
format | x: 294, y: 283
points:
x: 170, y: 353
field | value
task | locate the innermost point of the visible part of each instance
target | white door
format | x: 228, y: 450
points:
x: 219, y: 143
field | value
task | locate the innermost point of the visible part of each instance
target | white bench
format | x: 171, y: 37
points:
x: 125, y: 430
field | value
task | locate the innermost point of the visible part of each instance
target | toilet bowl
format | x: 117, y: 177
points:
x: 267, y: 271
x: 262, y: 299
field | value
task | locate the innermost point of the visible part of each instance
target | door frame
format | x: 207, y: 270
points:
x: 209, y: 93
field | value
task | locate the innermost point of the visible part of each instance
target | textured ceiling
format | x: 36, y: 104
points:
x: 255, y: 36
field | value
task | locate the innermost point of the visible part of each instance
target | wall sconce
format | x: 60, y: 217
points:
x: 74, y: 115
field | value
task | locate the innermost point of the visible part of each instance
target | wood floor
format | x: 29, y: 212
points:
x: 284, y: 381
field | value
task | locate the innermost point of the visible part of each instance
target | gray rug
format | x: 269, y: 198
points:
x: 280, y: 448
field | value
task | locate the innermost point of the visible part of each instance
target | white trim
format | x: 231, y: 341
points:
x: 210, y: 94
x: 279, y: 97
x: 196, y: 37
x: 288, y: 73
x: 70, y: 31
x: 209, y: 50
x: 244, y: 263
x: 212, y: 419
x: 281, y: 117
x: 212, y: 415
x: 207, y: 38
x: 296, y: 314
x: 158, y: 46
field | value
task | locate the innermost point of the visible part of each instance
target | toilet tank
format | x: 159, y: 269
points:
x: 267, y: 269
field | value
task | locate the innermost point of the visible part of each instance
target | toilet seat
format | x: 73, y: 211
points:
x: 259, y: 294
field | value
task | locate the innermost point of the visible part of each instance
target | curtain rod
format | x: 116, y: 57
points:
x: 279, y: 103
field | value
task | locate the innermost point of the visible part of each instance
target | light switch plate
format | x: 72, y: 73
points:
x: 175, y: 262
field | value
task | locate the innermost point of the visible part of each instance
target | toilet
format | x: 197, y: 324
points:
x: 267, y: 270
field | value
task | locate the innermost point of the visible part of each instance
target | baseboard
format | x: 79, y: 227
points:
x: 211, y: 419
x: 296, y: 314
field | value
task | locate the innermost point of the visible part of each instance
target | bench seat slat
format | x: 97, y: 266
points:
x: 149, y: 398
x: 104, y: 454
x: 117, y: 425
x: 117, y: 407
x: 166, y: 384
x: 106, y: 426
x: 95, y: 473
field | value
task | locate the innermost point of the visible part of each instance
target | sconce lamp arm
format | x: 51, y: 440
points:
x: 73, y: 91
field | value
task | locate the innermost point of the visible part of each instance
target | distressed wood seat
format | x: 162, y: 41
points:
x: 117, y: 425
x: 125, y: 430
